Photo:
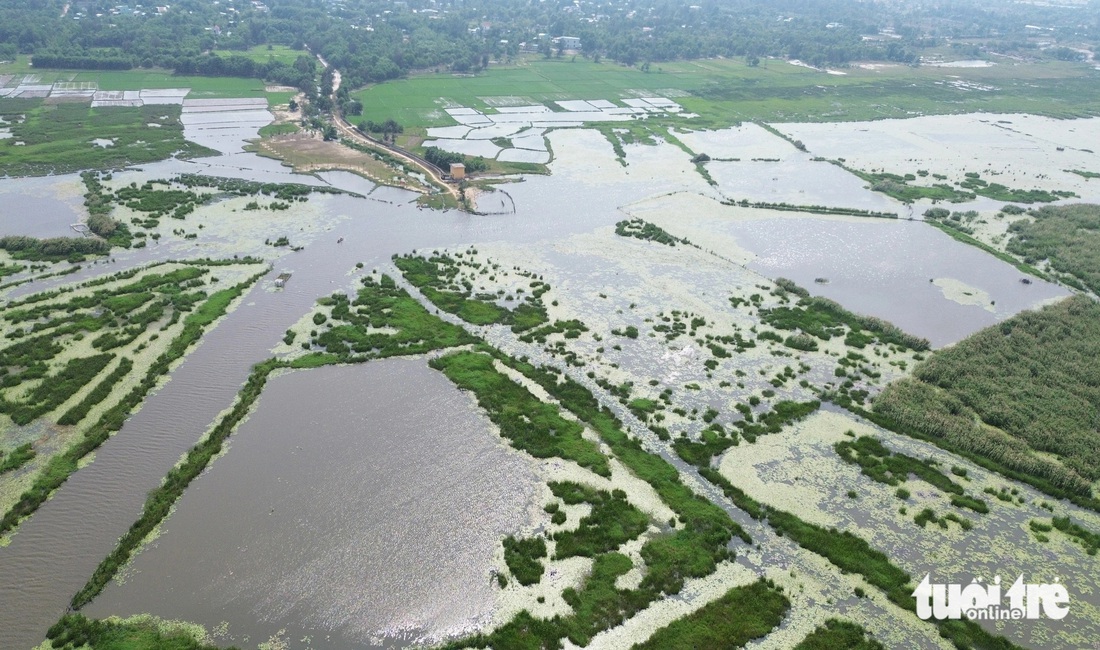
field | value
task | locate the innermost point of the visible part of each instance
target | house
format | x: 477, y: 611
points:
x: 569, y: 42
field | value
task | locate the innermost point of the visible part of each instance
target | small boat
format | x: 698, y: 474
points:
x: 280, y: 281
x: 340, y: 241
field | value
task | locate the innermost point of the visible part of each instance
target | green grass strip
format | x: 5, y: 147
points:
x: 77, y: 631
x: 16, y: 458
x: 97, y: 394
x: 739, y: 616
x: 161, y: 499
x: 837, y: 634
x: 530, y: 424
x: 59, y: 468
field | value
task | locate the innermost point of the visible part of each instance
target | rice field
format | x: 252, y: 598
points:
x: 724, y: 92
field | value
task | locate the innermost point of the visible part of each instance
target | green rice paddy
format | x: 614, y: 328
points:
x: 724, y: 92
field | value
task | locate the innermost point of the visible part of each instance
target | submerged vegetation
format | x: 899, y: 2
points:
x: 437, y: 278
x: 823, y: 319
x: 890, y: 468
x: 972, y: 186
x: 1067, y: 238
x: 59, y: 138
x: 38, y: 377
x: 645, y: 230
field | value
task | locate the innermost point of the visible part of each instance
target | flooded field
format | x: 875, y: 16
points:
x: 42, y: 207
x: 892, y: 269
x: 357, y: 503
x: 364, y: 504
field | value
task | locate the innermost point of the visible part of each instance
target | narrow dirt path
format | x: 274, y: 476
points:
x: 353, y: 134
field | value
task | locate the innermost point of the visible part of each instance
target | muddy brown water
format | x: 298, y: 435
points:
x: 56, y: 549
x: 356, y: 502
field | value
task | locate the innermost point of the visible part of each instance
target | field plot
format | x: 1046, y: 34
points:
x: 883, y: 267
x: 725, y: 92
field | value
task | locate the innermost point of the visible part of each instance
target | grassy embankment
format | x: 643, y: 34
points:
x: 48, y: 366
x: 1019, y: 397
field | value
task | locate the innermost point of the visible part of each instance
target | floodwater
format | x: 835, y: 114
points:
x: 56, y: 549
x: 42, y: 207
x: 884, y: 268
x: 358, y: 502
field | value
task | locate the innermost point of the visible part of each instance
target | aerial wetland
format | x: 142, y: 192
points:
x: 634, y: 397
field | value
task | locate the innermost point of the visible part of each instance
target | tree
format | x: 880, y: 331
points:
x: 330, y: 132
